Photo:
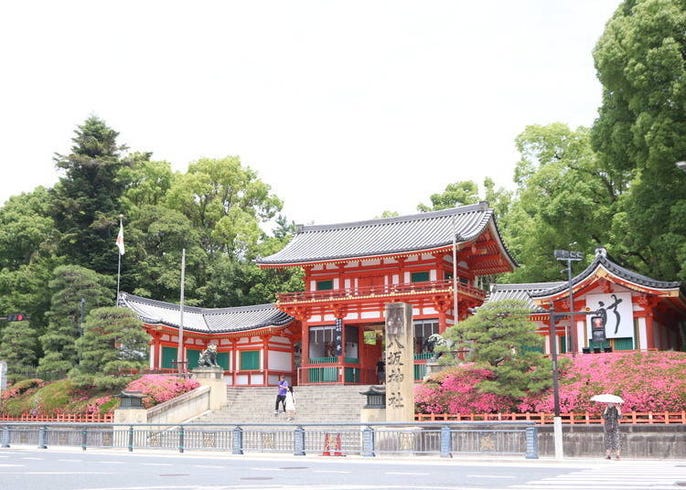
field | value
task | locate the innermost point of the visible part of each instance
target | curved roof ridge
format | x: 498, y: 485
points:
x: 482, y: 205
x: 208, y: 320
x: 386, y: 236
x: 602, y: 260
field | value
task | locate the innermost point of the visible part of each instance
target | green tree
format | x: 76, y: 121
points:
x: 85, y: 204
x: 641, y: 132
x: 113, y: 343
x: 563, y: 199
x: 226, y: 203
x: 27, y: 257
x: 18, y: 349
x: 501, y: 336
x: 76, y: 290
x: 457, y: 194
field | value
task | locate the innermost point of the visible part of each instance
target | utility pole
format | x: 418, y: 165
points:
x: 569, y: 257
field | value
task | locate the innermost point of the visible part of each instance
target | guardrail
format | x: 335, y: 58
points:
x: 574, y: 418
x: 368, y: 440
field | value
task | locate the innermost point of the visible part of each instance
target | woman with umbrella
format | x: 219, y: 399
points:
x: 611, y: 416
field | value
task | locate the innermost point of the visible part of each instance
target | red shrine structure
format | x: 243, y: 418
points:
x: 332, y: 331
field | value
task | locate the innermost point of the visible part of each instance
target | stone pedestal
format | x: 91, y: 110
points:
x: 433, y: 367
x: 214, y: 378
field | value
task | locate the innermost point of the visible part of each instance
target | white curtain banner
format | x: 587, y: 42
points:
x: 615, y: 312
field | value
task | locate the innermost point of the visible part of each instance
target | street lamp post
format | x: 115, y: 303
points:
x: 557, y: 421
x: 569, y: 257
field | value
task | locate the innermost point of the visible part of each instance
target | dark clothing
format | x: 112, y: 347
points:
x: 611, y: 417
x: 381, y: 372
x: 281, y: 396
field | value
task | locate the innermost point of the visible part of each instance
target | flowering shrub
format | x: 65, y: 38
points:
x: 22, y: 387
x: 100, y: 405
x: 454, y: 391
x: 157, y: 388
x: 647, y: 381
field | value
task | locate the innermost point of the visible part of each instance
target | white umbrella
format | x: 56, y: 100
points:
x: 607, y: 398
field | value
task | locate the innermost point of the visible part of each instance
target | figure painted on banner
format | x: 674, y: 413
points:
x: 281, y: 394
x: 290, y: 403
x: 611, y: 416
x: 381, y: 371
x: 602, y: 311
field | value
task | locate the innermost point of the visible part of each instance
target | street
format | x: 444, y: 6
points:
x: 73, y: 469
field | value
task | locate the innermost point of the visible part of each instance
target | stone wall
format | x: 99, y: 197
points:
x: 638, y: 441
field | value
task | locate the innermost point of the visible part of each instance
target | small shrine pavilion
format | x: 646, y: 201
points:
x: 620, y: 309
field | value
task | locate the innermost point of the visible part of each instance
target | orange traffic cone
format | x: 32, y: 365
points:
x: 327, y: 446
x: 338, y: 451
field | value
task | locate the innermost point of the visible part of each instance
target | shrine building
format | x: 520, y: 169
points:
x: 332, y: 331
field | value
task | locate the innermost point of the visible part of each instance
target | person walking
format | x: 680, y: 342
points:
x: 381, y: 371
x: 281, y: 394
x: 290, y: 404
x: 611, y: 416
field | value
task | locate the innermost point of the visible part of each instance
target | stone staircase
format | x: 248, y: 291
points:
x: 314, y: 404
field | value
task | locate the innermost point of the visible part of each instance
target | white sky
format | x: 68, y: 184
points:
x: 345, y: 108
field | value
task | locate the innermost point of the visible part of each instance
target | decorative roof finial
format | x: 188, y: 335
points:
x: 600, y: 252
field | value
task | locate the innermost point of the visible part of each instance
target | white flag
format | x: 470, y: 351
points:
x: 120, y: 239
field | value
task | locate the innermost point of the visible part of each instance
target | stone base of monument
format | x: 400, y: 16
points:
x: 433, y: 367
x: 214, y: 378
x: 208, y: 373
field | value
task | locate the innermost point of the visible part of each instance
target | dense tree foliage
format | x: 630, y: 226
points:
x: 75, y: 291
x: 57, y: 245
x: 564, y: 200
x: 18, y: 349
x: 641, y: 131
x: 85, y: 203
x: 113, y: 343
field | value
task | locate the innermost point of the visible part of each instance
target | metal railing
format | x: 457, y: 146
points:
x: 368, y: 440
x: 572, y: 418
x: 381, y: 290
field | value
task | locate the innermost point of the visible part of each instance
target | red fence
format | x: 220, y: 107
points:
x: 93, y: 418
x: 580, y: 418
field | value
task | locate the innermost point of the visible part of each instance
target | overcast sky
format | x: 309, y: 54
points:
x: 345, y: 108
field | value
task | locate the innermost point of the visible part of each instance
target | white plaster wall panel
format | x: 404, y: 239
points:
x: 369, y: 314
x: 280, y: 361
x: 642, y: 334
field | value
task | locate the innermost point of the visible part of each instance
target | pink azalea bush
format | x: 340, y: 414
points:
x: 647, y: 381
x: 157, y: 388
x: 454, y: 391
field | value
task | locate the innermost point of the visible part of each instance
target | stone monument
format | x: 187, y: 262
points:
x: 399, y: 357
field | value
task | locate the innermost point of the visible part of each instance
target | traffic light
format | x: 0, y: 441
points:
x: 17, y: 317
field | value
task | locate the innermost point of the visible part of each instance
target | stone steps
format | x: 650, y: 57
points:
x: 314, y: 404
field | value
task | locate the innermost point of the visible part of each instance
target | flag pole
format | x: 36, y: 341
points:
x: 179, y: 354
x: 120, y: 246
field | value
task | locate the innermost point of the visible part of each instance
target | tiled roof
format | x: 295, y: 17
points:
x: 530, y: 291
x: 602, y: 261
x: 206, y: 320
x: 521, y: 291
x: 386, y: 236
